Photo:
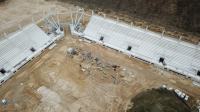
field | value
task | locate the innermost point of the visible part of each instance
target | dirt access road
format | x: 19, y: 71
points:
x: 97, y: 79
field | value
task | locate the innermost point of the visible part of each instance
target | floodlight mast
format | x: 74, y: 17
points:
x: 50, y: 20
x: 78, y: 19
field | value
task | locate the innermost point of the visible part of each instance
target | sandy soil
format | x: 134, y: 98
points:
x: 19, y: 13
x: 97, y: 79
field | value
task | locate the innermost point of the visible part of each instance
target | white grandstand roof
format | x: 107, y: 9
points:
x: 179, y: 56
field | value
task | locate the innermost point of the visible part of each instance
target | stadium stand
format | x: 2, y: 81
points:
x: 22, y: 47
x: 172, y: 54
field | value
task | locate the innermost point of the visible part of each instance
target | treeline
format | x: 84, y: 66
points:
x: 2, y: 0
x: 181, y: 14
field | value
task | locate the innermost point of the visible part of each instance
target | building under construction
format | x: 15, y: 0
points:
x: 57, y: 57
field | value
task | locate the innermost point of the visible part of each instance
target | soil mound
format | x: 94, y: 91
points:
x: 158, y: 100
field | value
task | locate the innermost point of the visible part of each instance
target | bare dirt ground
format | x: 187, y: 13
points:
x: 16, y: 13
x: 97, y: 79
